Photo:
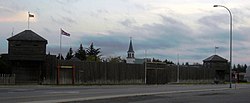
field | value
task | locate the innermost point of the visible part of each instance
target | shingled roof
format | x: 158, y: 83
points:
x: 27, y: 35
x: 215, y: 58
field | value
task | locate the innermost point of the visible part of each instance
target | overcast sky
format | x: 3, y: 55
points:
x: 163, y: 28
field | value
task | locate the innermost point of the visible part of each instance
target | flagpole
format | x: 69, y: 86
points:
x: 28, y: 20
x: 12, y: 33
x: 215, y: 50
x: 62, y: 33
x: 60, y: 55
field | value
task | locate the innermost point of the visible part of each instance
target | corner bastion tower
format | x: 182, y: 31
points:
x: 26, y: 54
x: 131, y: 56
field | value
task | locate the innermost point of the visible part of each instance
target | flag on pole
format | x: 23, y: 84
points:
x: 31, y: 15
x: 64, y: 33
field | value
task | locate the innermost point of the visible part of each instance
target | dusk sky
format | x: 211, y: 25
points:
x: 163, y: 28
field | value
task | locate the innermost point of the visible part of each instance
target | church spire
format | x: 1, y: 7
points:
x: 130, y: 46
x: 130, y: 49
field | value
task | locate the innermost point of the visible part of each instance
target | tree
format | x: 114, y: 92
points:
x: 80, y: 53
x: 93, y: 54
x: 196, y: 63
x: 234, y: 67
x: 245, y: 68
x: 58, y: 57
x: 168, y: 62
x: 69, y: 54
x: 156, y: 60
x: 240, y: 68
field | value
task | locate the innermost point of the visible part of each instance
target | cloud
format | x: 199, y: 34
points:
x: 17, y: 17
x: 214, y: 21
x: 10, y: 15
x: 47, y: 30
x: 66, y: 2
x: 103, y: 11
x: 128, y: 22
x: 100, y: 14
x: 5, y: 10
x: 62, y: 20
x: 191, y: 29
x: 168, y: 35
x: 53, y: 19
x: 110, y: 44
x: 67, y: 11
x: 68, y: 19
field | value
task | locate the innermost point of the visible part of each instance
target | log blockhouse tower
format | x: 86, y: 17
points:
x: 27, y: 53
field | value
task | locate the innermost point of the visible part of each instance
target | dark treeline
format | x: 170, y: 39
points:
x: 84, y: 54
x: 165, y: 61
x: 240, y: 68
x: 94, y: 54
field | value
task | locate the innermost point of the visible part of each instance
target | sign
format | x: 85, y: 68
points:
x: 66, y: 67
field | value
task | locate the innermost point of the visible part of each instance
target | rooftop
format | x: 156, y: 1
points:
x: 27, y: 35
x: 215, y: 58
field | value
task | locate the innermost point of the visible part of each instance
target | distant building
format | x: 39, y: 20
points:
x: 218, y: 66
x: 131, y: 54
x: 247, y: 75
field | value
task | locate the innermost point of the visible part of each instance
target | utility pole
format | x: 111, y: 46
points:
x: 178, y: 69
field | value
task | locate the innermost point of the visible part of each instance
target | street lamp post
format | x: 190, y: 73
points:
x: 231, y: 25
x: 178, y: 69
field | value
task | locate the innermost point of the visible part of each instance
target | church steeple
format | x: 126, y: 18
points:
x: 130, y: 46
x: 130, y: 49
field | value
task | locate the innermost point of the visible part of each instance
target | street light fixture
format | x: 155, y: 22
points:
x: 231, y: 25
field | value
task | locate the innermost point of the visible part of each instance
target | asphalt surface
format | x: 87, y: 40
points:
x: 241, y: 95
x: 124, y: 94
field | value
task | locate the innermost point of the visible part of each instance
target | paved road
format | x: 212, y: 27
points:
x: 49, y: 94
x: 241, y: 95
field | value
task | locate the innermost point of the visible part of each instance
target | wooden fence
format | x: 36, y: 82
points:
x: 159, y: 73
x: 122, y: 73
x: 102, y: 73
x: 7, y: 79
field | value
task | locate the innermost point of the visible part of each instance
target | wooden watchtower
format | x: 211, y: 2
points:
x: 219, y: 67
x: 26, y: 53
